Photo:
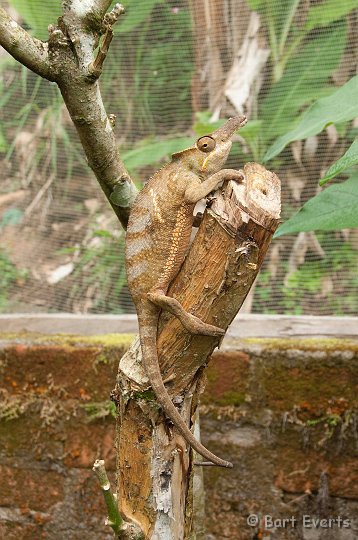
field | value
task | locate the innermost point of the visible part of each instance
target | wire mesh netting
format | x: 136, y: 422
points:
x: 174, y: 70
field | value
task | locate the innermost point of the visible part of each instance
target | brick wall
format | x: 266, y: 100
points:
x: 284, y: 411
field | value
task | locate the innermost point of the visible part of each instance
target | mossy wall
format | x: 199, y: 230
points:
x: 284, y: 411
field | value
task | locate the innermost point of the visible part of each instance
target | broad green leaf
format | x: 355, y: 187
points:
x: 286, y: 22
x: 153, y: 152
x: 340, y: 106
x: 251, y: 130
x: 303, y: 81
x: 333, y: 209
x: 38, y: 14
x: 327, y: 12
x: 136, y: 13
x: 347, y: 160
x: 280, y: 14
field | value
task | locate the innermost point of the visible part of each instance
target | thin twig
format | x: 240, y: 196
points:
x: 109, y: 20
x: 114, y: 518
x: 39, y: 195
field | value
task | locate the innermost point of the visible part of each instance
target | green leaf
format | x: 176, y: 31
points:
x: 251, y: 130
x: 340, y: 106
x: 203, y: 126
x: 347, y: 160
x: 327, y: 12
x: 11, y: 216
x: 38, y: 14
x: 155, y: 151
x: 286, y: 22
x: 333, y: 209
x: 136, y: 13
x: 103, y: 233
x: 3, y: 142
x: 303, y: 81
x: 255, y: 4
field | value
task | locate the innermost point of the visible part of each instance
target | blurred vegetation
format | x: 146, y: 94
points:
x: 99, y: 277
x: 9, y: 277
x: 147, y: 84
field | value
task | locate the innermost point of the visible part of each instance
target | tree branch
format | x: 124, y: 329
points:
x: 68, y: 60
x: 29, y: 51
x: 102, y: 5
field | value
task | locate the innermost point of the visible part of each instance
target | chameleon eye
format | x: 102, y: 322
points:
x: 206, y: 144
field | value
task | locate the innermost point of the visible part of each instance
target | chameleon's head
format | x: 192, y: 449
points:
x: 210, y: 152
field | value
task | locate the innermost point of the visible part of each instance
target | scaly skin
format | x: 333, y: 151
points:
x: 157, y: 239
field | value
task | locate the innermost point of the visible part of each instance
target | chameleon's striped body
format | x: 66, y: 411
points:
x: 157, y: 239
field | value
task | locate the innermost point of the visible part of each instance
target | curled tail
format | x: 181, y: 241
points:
x: 148, y: 338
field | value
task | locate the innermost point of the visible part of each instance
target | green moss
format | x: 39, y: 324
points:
x: 312, y: 387
x: 105, y: 340
x: 229, y: 398
x: 303, y: 344
x: 11, y: 408
x: 147, y: 395
x: 100, y: 409
x: 125, y: 340
x: 212, y: 375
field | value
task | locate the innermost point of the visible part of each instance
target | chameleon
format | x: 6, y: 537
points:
x: 157, y: 238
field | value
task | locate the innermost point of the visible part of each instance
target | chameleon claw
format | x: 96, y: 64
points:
x: 194, y: 325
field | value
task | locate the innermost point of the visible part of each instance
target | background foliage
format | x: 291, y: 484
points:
x: 70, y: 245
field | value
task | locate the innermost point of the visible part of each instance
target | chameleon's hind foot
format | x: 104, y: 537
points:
x: 193, y: 324
x: 228, y: 465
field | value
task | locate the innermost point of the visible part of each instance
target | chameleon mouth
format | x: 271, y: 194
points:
x: 205, y: 162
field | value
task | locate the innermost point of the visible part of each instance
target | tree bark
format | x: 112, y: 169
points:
x: 155, y: 477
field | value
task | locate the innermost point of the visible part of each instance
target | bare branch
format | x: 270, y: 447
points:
x: 109, y: 20
x: 29, y: 51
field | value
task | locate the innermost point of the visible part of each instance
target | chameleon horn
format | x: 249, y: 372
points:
x: 226, y: 131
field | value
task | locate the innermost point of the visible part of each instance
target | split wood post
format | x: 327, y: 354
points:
x: 155, y: 466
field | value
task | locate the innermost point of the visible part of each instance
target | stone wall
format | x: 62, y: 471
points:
x: 284, y: 411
